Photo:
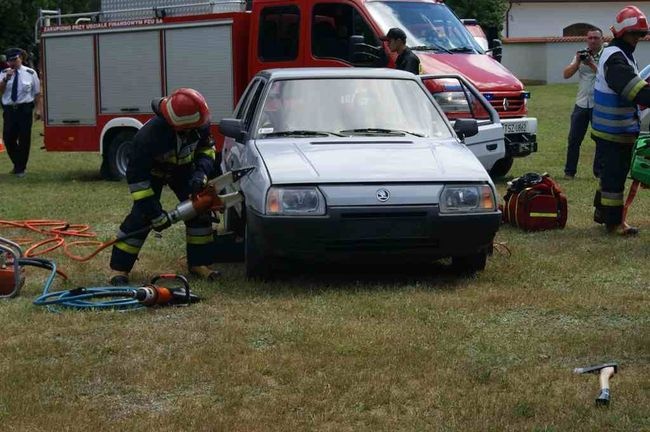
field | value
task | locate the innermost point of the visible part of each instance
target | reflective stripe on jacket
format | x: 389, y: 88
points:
x: 615, y: 116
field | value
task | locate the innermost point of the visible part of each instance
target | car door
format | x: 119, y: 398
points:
x: 232, y: 150
x: 458, y: 98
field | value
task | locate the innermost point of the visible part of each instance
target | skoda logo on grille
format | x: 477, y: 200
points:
x: 506, y: 104
x: 383, y: 195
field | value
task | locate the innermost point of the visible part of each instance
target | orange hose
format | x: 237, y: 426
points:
x: 55, y: 232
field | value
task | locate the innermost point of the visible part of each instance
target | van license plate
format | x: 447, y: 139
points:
x: 518, y: 127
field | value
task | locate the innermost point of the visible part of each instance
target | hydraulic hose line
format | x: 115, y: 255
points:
x: 120, y: 298
x: 56, y: 232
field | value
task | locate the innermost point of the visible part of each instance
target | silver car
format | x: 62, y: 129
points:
x: 355, y: 164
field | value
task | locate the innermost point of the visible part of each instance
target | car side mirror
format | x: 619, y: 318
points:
x: 232, y: 128
x: 465, y: 128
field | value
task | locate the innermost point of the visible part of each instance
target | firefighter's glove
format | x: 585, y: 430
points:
x: 198, y: 182
x: 161, y: 222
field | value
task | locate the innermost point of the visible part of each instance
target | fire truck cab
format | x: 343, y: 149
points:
x: 99, y: 75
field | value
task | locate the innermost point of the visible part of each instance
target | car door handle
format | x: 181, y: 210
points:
x: 491, y: 147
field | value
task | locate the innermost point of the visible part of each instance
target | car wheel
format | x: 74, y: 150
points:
x: 502, y: 166
x: 469, y: 264
x: 258, y: 266
x: 116, y: 157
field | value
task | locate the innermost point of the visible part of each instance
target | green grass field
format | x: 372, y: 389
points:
x: 337, y: 353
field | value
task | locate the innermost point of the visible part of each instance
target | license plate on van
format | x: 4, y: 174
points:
x: 515, y: 127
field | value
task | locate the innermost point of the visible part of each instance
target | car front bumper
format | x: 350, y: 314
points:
x: 395, y: 233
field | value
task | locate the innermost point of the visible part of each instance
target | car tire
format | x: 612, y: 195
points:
x: 502, y: 167
x: 258, y: 266
x: 116, y: 156
x: 469, y: 264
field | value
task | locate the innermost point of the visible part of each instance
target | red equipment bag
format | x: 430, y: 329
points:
x: 535, y: 202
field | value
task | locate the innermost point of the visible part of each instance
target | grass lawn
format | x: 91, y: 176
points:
x: 331, y: 352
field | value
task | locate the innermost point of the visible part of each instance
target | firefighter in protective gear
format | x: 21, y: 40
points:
x: 173, y: 148
x: 615, y: 124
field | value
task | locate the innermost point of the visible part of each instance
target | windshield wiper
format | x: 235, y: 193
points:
x: 431, y: 47
x: 300, y: 133
x: 462, y: 50
x: 378, y: 131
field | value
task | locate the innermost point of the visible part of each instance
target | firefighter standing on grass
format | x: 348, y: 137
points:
x: 615, y: 125
x: 172, y: 148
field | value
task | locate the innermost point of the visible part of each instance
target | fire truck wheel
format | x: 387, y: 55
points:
x: 257, y: 265
x: 116, y: 157
x: 501, y: 167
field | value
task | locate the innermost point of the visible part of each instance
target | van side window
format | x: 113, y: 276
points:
x: 279, y: 33
x: 332, y: 26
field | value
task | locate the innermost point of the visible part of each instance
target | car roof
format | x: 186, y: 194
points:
x: 335, y: 72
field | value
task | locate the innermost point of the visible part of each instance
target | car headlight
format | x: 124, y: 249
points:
x: 467, y: 199
x: 295, y: 201
x: 452, y: 101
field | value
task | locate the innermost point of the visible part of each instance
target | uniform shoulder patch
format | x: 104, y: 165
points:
x: 30, y: 71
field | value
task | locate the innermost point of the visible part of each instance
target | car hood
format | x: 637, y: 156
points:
x: 295, y: 161
x: 483, y: 71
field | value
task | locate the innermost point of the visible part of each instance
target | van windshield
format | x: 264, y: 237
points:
x: 428, y: 26
x: 349, y: 106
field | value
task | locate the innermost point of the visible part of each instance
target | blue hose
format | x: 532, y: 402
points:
x: 81, y: 298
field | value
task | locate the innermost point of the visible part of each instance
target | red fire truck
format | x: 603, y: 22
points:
x: 101, y: 69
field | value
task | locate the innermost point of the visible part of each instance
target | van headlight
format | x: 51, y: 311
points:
x: 452, y: 101
x: 467, y: 199
x: 295, y: 201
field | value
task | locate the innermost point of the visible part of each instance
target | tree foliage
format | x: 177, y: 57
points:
x: 488, y: 13
x: 17, y: 18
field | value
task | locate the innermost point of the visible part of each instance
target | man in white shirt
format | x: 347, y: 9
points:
x: 585, y: 62
x: 21, y: 93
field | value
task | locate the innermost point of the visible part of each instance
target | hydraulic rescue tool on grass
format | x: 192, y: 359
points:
x: 134, y: 297
x: 606, y: 371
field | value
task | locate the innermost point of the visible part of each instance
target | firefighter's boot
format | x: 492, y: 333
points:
x: 205, y: 272
x: 622, y: 229
x: 119, y: 278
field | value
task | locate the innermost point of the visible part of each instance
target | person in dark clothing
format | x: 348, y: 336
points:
x: 20, y: 90
x: 173, y: 148
x: 615, y: 124
x: 406, y: 59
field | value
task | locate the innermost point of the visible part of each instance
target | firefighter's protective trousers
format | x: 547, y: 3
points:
x: 609, y: 198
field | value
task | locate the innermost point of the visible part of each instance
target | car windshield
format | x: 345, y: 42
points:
x: 428, y: 26
x: 346, y: 107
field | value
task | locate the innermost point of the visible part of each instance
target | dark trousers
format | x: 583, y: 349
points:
x: 17, y: 133
x: 580, y: 119
x: 199, y: 234
x: 608, y: 201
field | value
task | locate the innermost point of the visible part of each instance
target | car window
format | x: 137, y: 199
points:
x: 245, y: 99
x: 350, y: 106
x: 252, y: 106
x: 279, y: 33
x: 455, y: 99
x: 332, y: 25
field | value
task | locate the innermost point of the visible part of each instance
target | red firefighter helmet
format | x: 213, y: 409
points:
x: 185, y: 109
x: 629, y: 19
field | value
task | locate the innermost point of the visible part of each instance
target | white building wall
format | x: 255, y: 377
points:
x: 545, y: 61
x: 549, y: 19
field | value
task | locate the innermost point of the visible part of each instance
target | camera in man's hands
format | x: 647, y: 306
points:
x: 584, y: 55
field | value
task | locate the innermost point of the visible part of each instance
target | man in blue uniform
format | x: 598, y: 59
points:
x: 21, y: 93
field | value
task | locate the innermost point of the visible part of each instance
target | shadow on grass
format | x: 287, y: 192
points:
x: 318, y: 278
x: 81, y: 176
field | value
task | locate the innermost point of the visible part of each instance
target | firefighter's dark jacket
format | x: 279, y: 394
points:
x: 619, y: 74
x: 162, y: 156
